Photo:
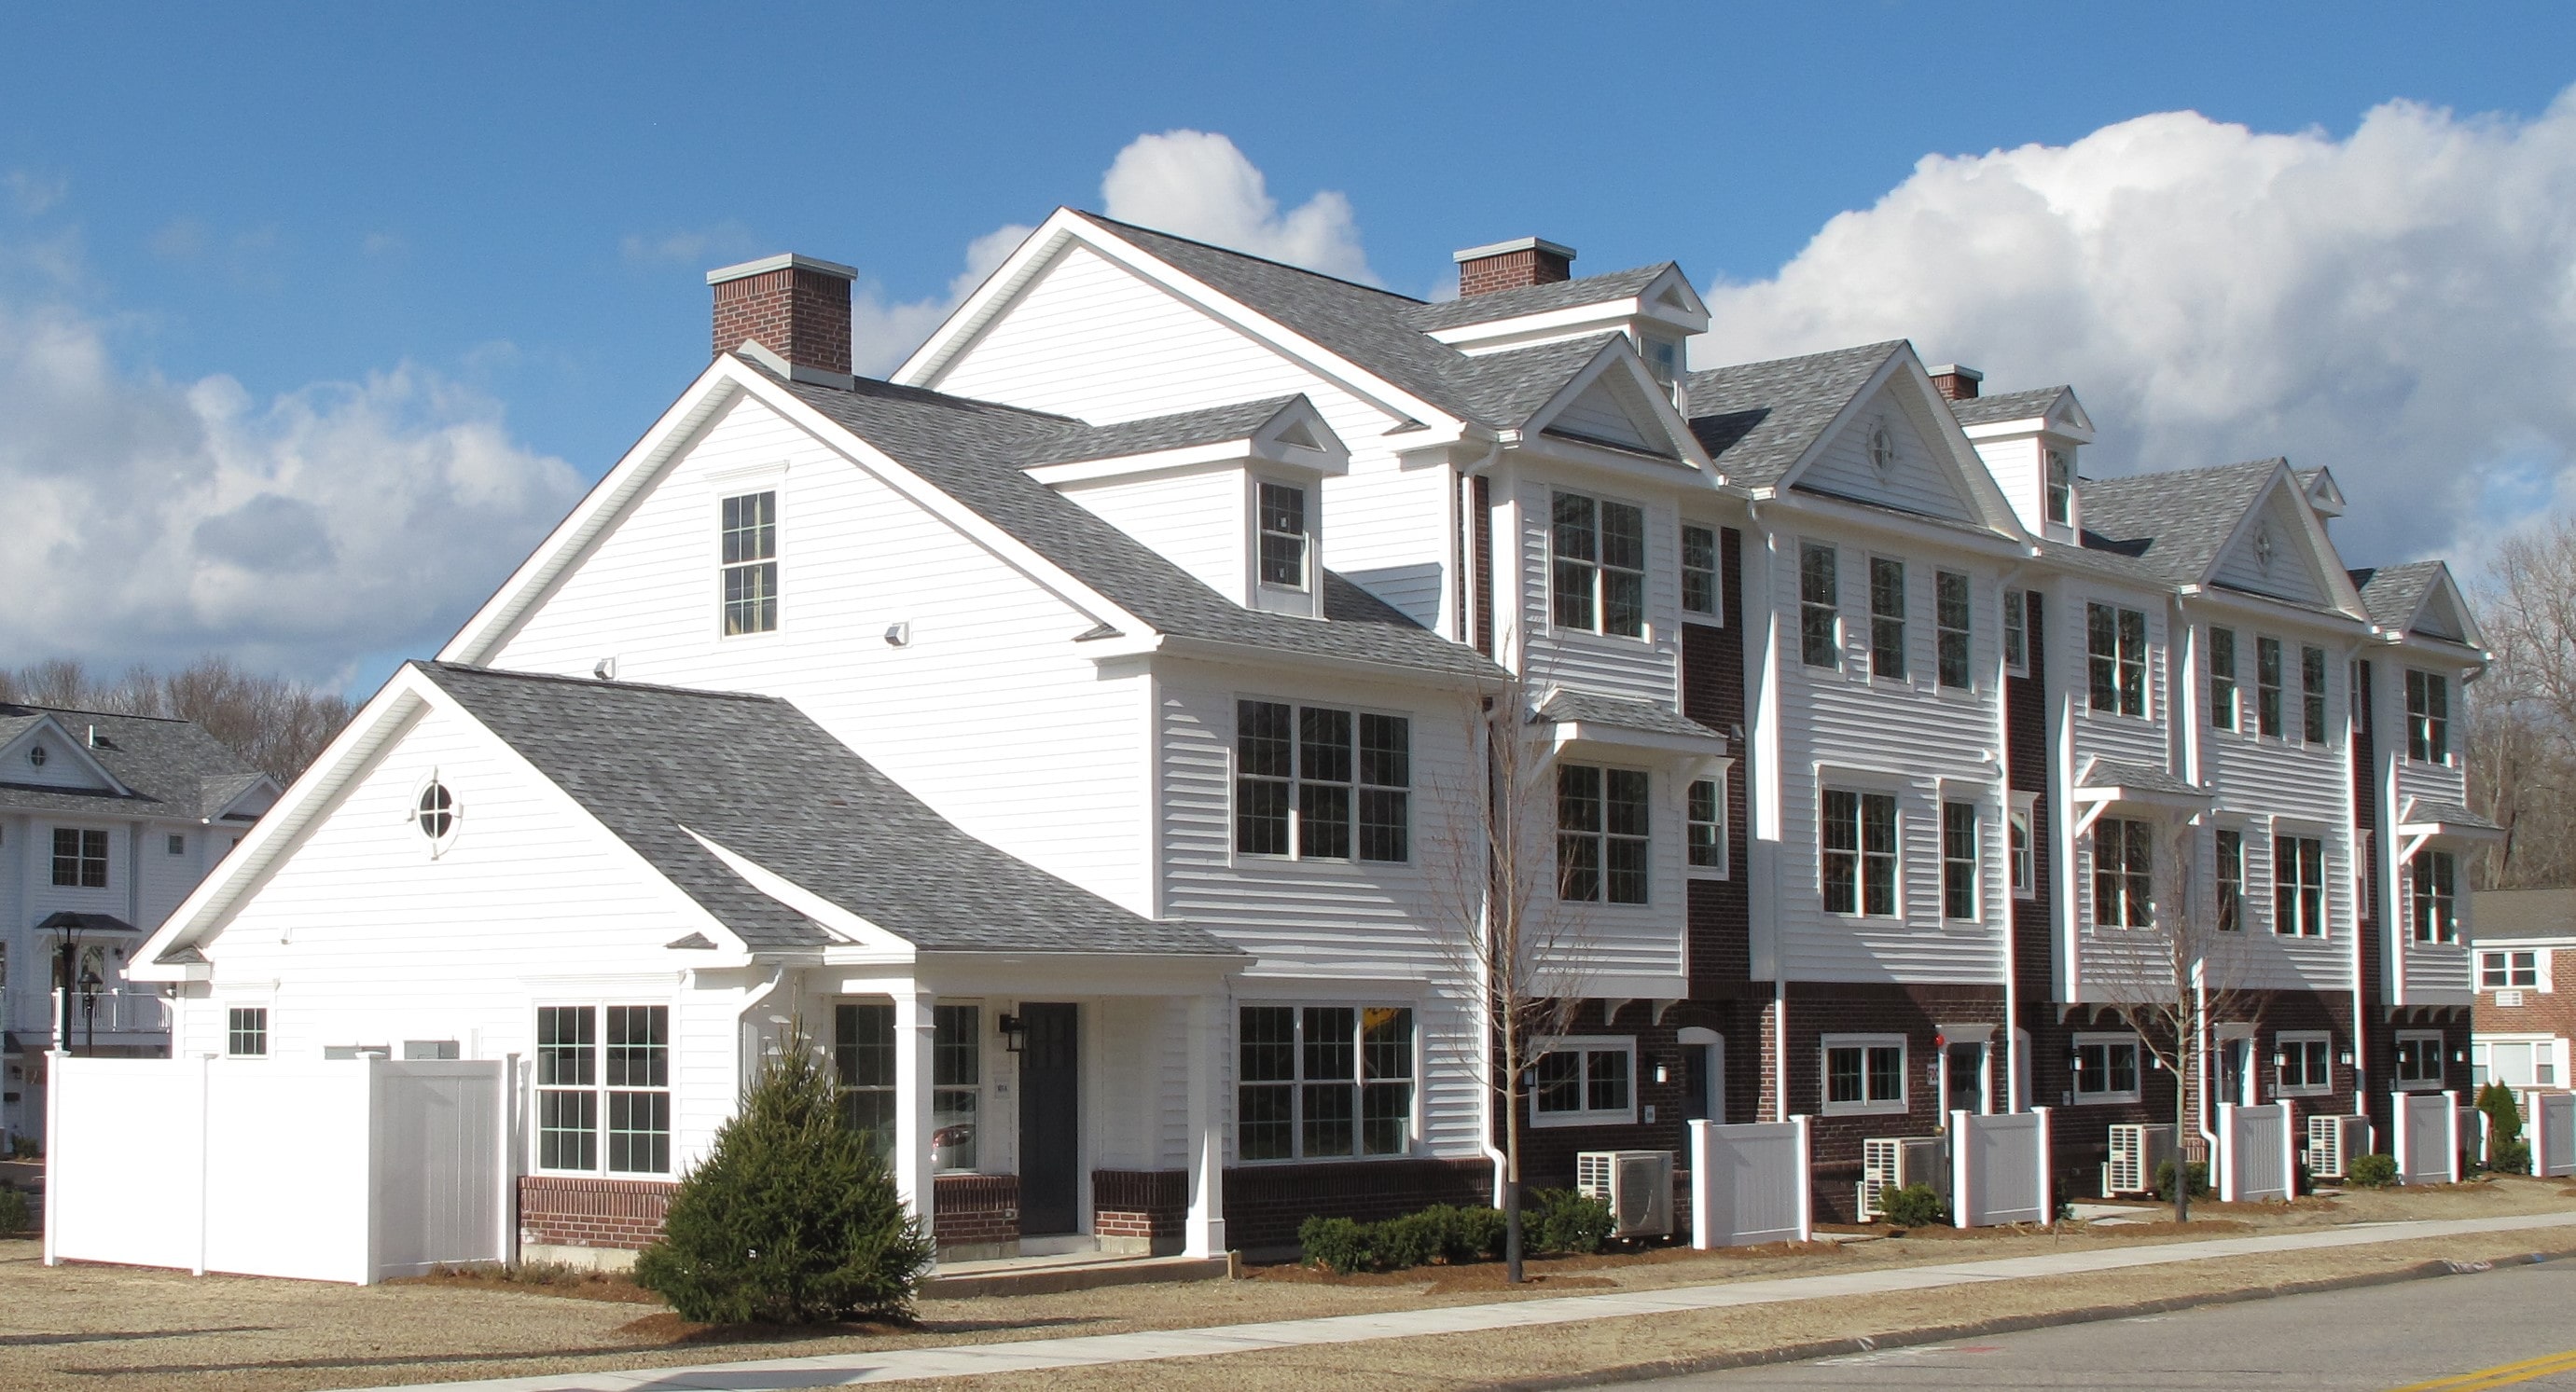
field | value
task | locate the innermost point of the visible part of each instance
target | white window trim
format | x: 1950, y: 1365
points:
x: 599, y: 1005
x: 2013, y: 613
x: 267, y: 1031
x: 1715, y: 616
x: 2284, y: 831
x: 2025, y: 881
x: 1308, y: 496
x: 2106, y: 1096
x: 1717, y: 771
x: 1235, y: 855
x: 1414, y: 1124
x: 1834, y: 781
x: 1603, y: 837
x: 1980, y: 900
x: 2541, y: 957
x: 771, y: 479
x: 1841, y: 644
x: 1646, y: 629
x: 1587, y: 1043
x: 2148, y: 710
x: 2441, y: 1058
x: 2282, y: 1039
x: 1825, y: 1047
x: 1869, y: 607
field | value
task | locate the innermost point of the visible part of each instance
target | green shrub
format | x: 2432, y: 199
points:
x: 790, y: 1219
x: 1337, y: 1244
x: 2504, y: 1114
x: 2197, y: 1173
x: 1914, y: 1206
x: 1555, y: 1221
x: 15, y: 1215
x: 2510, y: 1157
x: 2371, y: 1171
x: 1567, y: 1221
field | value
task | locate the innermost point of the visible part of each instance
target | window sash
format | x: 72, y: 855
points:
x: 2061, y: 487
x: 2267, y: 686
x: 2115, y: 647
x: 2305, y: 1065
x: 2428, y: 717
x: 2433, y: 889
x: 1699, y: 570
x: 749, y: 537
x: 2230, y: 846
x: 2298, y: 887
x: 1886, y: 618
x: 1864, y: 1075
x: 2123, y: 874
x: 1819, y: 606
x: 604, y: 1088
x: 2106, y: 1068
x: 2506, y: 971
x: 80, y: 858
x: 1333, y: 783
x: 2419, y: 1058
x: 1283, y: 536
x: 1707, y: 818
x: 2312, y: 695
x: 1324, y: 1082
x: 2222, y: 678
x: 2018, y: 838
x: 1598, y: 566
x: 1950, y: 616
x: 2016, y: 631
x: 1859, y: 839
x: 246, y: 1032
x: 1602, y: 840
x: 1958, y: 860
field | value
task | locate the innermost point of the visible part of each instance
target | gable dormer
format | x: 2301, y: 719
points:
x: 2279, y: 549
x: 1233, y: 495
x: 1502, y: 306
x: 49, y: 749
x: 2031, y: 442
x: 1893, y: 446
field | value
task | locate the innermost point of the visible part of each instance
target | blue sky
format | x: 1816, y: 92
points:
x: 504, y: 211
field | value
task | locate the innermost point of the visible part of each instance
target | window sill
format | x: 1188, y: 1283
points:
x: 1837, y: 1109
x: 2109, y: 1099
x: 1551, y: 1120
x: 1620, y: 641
x: 2279, y: 1092
x: 2434, y: 1085
x: 1327, y: 1159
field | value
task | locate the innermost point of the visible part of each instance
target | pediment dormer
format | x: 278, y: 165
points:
x: 1654, y: 307
x: 1893, y: 446
x: 2279, y: 549
x: 46, y: 749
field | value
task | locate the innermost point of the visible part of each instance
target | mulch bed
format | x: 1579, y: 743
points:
x: 568, y: 1282
x: 668, y: 1330
x: 1551, y: 1273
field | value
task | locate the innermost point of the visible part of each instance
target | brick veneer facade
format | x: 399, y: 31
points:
x: 2550, y: 1012
x: 1265, y: 1203
x: 558, y: 1211
x: 1918, y: 1013
x: 799, y: 311
x: 974, y: 1210
x: 1147, y: 1205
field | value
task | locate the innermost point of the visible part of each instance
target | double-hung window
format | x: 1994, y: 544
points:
x: 246, y: 1031
x: 2303, y: 1063
x: 2115, y: 650
x: 956, y: 1084
x: 1859, y: 853
x: 863, y: 1067
x: 1819, y: 606
x: 751, y: 563
x: 2231, y: 880
x: 1283, y: 536
x: 2124, y: 878
x: 604, y: 1088
x: 2508, y: 970
x: 1600, y: 566
x: 2222, y: 678
x: 1959, y: 860
x: 1334, y: 784
x: 1324, y: 1081
x: 80, y: 858
x: 2061, y: 487
x: 1708, y: 824
x: 2419, y: 1059
x: 1864, y: 1073
x: 1699, y: 571
x: 2299, y: 886
x: 2267, y: 687
x: 2106, y: 1068
x: 1887, y: 618
x: 1602, y: 834
x: 2436, y: 897
x: 1950, y: 609
x: 2312, y: 695
x: 2428, y: 717
x: 2017, y: 632
x: 1585, y: 1082
x: 2022, y: 824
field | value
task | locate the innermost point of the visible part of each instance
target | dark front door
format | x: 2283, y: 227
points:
x: 1966, y: 1079
x: 1050, y: 1123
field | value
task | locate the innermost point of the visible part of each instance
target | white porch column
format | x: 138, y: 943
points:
x: 1205, y: 1234
x: 912, y: 1030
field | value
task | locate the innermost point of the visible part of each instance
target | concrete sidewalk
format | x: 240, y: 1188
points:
x: 1038, y: 1355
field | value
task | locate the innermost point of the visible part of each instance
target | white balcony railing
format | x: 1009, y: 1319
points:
x: 120, y: 1012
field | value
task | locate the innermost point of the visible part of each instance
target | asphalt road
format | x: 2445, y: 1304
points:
x: 2448, y: 1334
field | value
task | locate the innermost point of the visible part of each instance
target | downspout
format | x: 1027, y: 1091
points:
x: 1462, y: 497
x: 1762, y: 793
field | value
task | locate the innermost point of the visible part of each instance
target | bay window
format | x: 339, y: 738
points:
x: 1602, y: 834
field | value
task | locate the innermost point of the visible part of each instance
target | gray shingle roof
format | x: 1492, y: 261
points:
x: 2506, y: 914
x: 2007, y: 406
x: 754, y: 775
x: 1758, y: 419
x: 975, y: 451
x: 1621, y: 713
x: 173, y: 767
x: 1505, y: 389
x: 1211, y: 426
x: 2421, y: 810
x: 2175, y: 522
x: 2395, y: 594
x: 2111, y: 773
x: 1535, y: 299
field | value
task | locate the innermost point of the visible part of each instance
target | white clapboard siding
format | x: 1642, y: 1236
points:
x: 2127, y: 739
x: 1386, y: 530
x: 62, y: 768
x: 2431, y: 969
x: 989, y: 712
x: 2016, y: 466
x: 1598, y: 414
x: 43, y: 898
x: 1840, y: 727
x: 362, y: 938
x: 2292, y: 574
x: 1201, y: 522
x: 1917, y: 482
x: 1645, y: 668
x: 2305, y: 789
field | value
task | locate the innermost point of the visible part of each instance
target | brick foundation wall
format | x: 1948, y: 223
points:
x: 974, y: 1209
x: 1817, y: 1009
x: 559, y: 1211
x: 1151, y: 1204
x: 1265, y: 1203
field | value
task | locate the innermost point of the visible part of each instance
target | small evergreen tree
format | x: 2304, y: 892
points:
x: 2504, y: 1114
x: 790, y: 1219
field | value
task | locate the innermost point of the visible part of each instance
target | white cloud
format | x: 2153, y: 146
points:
x: 883, y: 335
x: 728, y: 240
x: 153, y: 520
x: 2399, y: 306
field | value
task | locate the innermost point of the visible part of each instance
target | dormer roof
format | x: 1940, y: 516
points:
x: 1529, y: 300
x: 1757, y: 420
x: 2421, y: 597
x: 1280, y: 429
x: 140, y: 766
x: 2040, y: 408
x: 2182, y: 525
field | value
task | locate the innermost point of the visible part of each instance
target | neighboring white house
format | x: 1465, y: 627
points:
x: 106, y: 823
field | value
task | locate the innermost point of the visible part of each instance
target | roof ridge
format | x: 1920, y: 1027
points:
x: 1107, y: 221
x: 1889, y: 345
x: 108, y: 714
x: 2159, y: 475
x: 597, y: 683
x: 926, y: 394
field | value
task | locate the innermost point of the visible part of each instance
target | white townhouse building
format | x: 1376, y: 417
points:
x: 1074, y: 735
x: 106, y: 823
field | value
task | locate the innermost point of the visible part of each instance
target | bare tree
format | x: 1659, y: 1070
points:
x: 2522, y: 752
x: 275, y: 724
x: 1501, y: 919
x: 2176, y: 982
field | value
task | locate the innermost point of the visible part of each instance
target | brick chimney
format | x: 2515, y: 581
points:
x: 1956, y: 382
x: 1511, y: 265
x: 795, y: 306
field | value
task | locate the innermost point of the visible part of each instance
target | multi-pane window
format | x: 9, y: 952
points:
x: 1708, y: 824
x: 2303, y: 1063
x: 2299, y: 886
x: 1600, y: 566
x: 80, y: 858
x: 2508, y: 970
x: 2124, y: 866
x: 2231, y: 880
x: 1819, y: 606
x: 2357, y: 695
x: 1959, y: 860
x: 1332, y: 783
x: 1864, y: 1074
x: 177, y: 843
x: 1584, y: 1082
x: 2020, y: 826
x: 1859, y: 853
x: 2419, y: 1060
x: 1601, y: 834
x: 246, y: 1031
x: 1886, y: 618
x: 2115, y: 650
x: 2312, y: 695
x: 2267, y: 686
x: 863, y: 1066
x: 2428, y: 717
x: 1699, y: 571
x: 956, y: 1084
x: 2106, y: 1068
x: 2222, y: 678
x: 1283, y: 536
x: 2436, y: 897
x: 751, y: 563
x: 604, y: 1088
x: 2016, y: 632
x: 1323, y: 1081
x: 2061, y: 486
x: 1950, y: 627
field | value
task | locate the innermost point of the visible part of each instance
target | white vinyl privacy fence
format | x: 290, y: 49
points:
x: 342, y: 1170
x: 1750, y: 1184
x: 2258, y: 1153
x: 1999, y: 1168
x: 2427, y: 1139
x: 2552, y: 1130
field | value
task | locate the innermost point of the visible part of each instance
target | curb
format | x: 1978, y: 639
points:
x: 2013, y: 1324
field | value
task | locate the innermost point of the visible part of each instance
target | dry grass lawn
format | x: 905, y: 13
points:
x: 112, y: 1329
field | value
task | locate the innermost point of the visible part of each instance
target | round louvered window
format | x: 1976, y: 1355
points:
x: 1882, y: 449
x: 38, y: 756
